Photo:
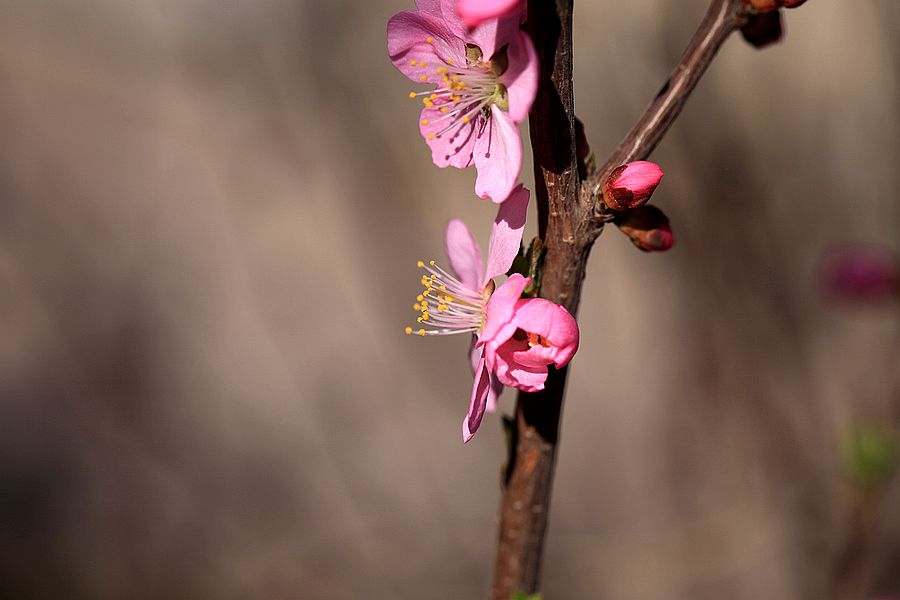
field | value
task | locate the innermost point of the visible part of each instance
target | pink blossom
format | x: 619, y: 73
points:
x: 523, y: 337
x: 475, y: 12
x: 486, y: 81
x: 456, y: 301
x: 631, y: 185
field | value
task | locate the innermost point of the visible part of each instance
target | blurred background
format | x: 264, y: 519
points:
x: 210, y: 214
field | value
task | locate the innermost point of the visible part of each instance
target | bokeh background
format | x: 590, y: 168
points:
x: 210, y: 213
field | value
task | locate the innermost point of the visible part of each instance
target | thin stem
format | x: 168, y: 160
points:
x: 568, y: 228
x: 722, y: 18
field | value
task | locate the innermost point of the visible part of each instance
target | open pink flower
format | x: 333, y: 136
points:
x: 486, y: 81
x: 456, y: 301
x: 475, y: 12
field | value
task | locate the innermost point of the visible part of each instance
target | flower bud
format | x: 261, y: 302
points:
x: 763, y: 29
x: 631, y: 185
x: 792, y: 3
x: 762, y: 5
x: 860, y: 274
x: 647, y: 227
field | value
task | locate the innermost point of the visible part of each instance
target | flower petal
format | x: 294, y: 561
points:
x: 498, y: 157
x: 464, y: 254
x: 476, y: 353
x: 521, y: 77
x: 501, y: 307
x: 481, y: 388
x: 411, y: 52
x: 506, y: 234
x: 514, y: 374
x: 430, y: 7
x: 553, y: 323
x: 451, y: 148
x: 474, y: 12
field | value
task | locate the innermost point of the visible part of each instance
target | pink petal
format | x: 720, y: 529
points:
x: 552, y: 322
x: 494, y: 394
x: 430, y: 7
x: 501, y: 307
x: 521, y: 77
x: 473, y: 12
x: 514, y: 374
x: 452, y: 148
x: 498, y: 157
x: 464, y: 254
x: 506, y: 233
x: 408, y: 34
x: 481, y: 388
x: 476, y: 353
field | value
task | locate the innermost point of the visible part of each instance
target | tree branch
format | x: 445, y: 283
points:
x: 568, y: 229
x: 722, y: 18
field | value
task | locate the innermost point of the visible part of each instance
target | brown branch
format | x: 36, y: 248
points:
x: 568, y: 230
x: 722, y: 18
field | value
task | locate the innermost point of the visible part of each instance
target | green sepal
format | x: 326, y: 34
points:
x: 521, y: 596
x: 535, y: 260
x: 528, y: 264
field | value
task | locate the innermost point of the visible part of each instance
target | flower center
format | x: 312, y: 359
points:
x: 447, y: 305
x: 465, y: 94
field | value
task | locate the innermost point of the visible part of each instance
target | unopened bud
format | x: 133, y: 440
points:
x: 647, y: 227
x: 763, y: 29
x: 631, y: 185
x: 762, y: 5
x: 860, y: 274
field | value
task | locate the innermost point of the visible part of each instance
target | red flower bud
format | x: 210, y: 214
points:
x: 792, y: 3
x: 763, y: 29
x: 647, y: 227
x: 631, y: 185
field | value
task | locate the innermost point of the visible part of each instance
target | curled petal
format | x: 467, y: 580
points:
x: 556, y: 328
x: 481, y: 389
x: 515, y: 374
x: 506, y: 233
x: 497, y: 156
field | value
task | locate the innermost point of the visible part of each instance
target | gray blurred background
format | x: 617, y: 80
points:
x: 210, y: 213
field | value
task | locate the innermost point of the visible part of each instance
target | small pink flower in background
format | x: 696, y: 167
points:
x: 631, y: 185
x: 475, y: 12
x: 860, y: 273
x: 486, y: 81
